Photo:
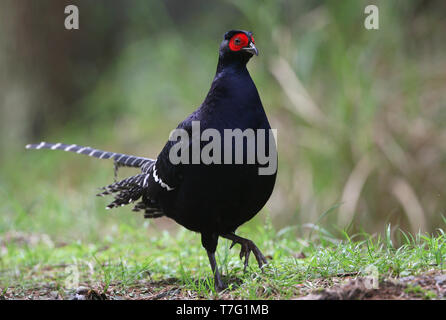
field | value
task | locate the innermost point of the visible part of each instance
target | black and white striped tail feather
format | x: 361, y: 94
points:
x: 130, y: 189
x: 119, y: 158
x: 139, y: 180
x: 125, y: 191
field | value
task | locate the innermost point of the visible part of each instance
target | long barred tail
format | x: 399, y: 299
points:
x: 119, y: 158
x: 125, y: 191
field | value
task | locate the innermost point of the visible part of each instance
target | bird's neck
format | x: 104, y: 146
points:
x: 231, y: 65
x: 230, y: 75
x: 232, y: 82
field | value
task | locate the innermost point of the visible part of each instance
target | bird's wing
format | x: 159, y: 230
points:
x: 166, y: 175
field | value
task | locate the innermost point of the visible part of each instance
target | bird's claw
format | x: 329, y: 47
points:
x: 247, y: 247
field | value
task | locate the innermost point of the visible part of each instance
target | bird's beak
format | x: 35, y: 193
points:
x: 252, y: 49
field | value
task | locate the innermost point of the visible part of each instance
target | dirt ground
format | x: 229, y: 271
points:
x: 427, y: 286
x: 431, y: 285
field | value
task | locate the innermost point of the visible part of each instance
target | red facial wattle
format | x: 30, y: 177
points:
x: 238, y: 42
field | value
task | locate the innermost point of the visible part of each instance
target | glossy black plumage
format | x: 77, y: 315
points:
x: 213, y: 199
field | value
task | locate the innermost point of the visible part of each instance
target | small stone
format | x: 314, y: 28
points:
x: 408, y: 278
x: 441, y: 279
x: 82, y: 290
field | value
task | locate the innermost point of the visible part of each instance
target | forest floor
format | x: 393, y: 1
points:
x: 172, y: 265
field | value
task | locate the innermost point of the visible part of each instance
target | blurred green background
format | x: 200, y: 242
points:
x: 360, y: 113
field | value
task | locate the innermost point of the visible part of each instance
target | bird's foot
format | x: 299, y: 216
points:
x: 247, y: 247
x: 219, y: 284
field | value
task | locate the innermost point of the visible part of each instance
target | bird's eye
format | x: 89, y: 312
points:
x: 238, y: 42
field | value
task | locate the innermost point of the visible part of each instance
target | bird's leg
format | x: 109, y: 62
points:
x: 219, y: 284
x: 247, y: 247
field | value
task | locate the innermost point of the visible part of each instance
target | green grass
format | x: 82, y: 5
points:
x: 130, y: 257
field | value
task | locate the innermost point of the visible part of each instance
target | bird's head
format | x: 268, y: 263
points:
x: 238, y: 45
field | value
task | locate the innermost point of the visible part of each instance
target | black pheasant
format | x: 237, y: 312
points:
x: 213, y: 198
